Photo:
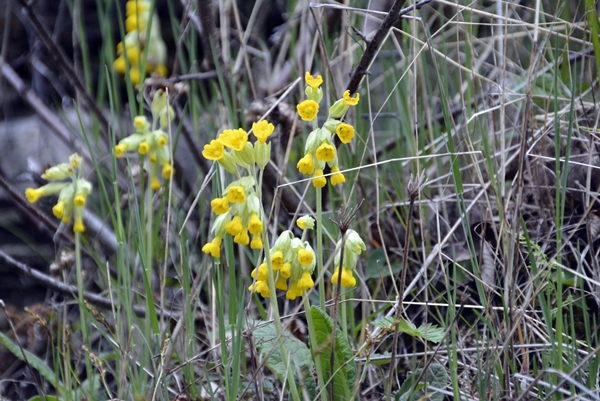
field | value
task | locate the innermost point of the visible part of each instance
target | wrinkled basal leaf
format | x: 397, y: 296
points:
x: 301, y: 362
x: 345, y: 378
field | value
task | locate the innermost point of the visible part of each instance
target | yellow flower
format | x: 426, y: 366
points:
x: 78, y: 226
x: 286, y: 270
x: 351, y: 101
x: 242, y: 238
x: 293, y: 292
x: 262, y: 130
x: 305, y: 223
x: 318, y: 180
x: 120, y: 149
x: 308, y: 110
x: 305, y: 257
x: 277, y: 260
x: 162, y: 140
x: 306, y: 282
x: 140, y: 123
x: 261, y: 287
x: 119, y: 65
x: 213, y: 248
x: 281, y: 283
x: 59, y: 209
x: 345, y: 132
x: 255, y: 226
x: 79, y: 200
x: 256, y: 242
x: 213, y: 150
x: 234, y: 227
x: 234, y: 138
x: 154, y: 183
x: 236, y: 194
x: 348, y: 279
x: 220, y: 205
x: 306, y: 165
x: 262, y: 271
x: 33, y: 194
x: 337, y: 177
x: 167, y: 171
x: 325, y: 152
x: 313, y: 82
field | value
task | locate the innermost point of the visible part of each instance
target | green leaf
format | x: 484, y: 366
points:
x: 409, y: 328
x: 383, y: 322
x: 299, y: 355
x: 34, y: 361
x: 376, y: 266
x: 436, y: 376
x: 431, y: 332
x: 344, y: 365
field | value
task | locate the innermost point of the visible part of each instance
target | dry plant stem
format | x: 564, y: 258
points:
x: 8, y: 263
x: 66, y: 65
x: 400, y: 305
x: 372, y: 47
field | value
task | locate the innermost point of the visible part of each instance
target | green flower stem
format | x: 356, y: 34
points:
x: 151, y: 319
x: 82, y: 308
x: 314, y: 345
x: 273, y: 297
x: 343, y: 315
x: 320, y: 248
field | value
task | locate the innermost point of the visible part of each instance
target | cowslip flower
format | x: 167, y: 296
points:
x: 337, y: 177
x: 213, y: 150
x: 239, y: 210
x: 350, y: 101
x: 319, y: 149
x: 325, y: 152
x: 72, y: 195
x: 135, y: 44
x: 345, y: 132
x: 353, y: 247
x: 262, y: 130
x: 151, y: 143
x: 308, y: 110
x: 313, y: 82
x: 306, y: 223
x: 318, y: 180
x: 306, y: 165
x: 348, y: 279
x: 291, y: 259
x: 234, y: 139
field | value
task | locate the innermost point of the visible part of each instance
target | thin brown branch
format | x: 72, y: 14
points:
x: 9, y: 264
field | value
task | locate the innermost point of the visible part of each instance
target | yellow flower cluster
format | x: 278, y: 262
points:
x: 131, y: 50
x: 319, y: 149
x: 292, y: 259
x: 151, y: 141
x: 352, y: 249
x: 239, y: 211
x: 71, y: 194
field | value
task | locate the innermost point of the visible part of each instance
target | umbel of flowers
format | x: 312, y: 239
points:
x: 131, y: 49
x: 239, y: 211
x: 293, y: 260
x: 66, y: 181
x: 151, y: 141
x: 353, y: 247
x: 320, y: 148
